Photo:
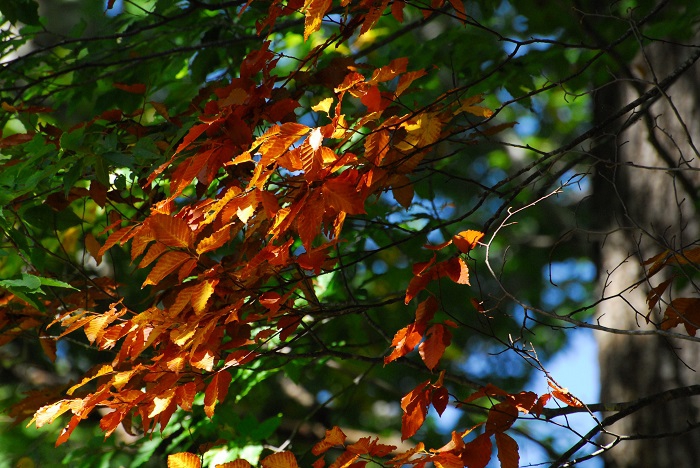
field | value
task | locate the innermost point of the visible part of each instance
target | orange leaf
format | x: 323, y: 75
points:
x: 93, y: 247
x: 539, y: 406
x: 467, y: 240
x: 184, y: 460
x: 432, y: 349
x: 507, y: 451
x: 341, y: 193
x: 406, y: 80
x: 216, y: 390
x: 279, y: 460
x: 415, y: 407
x: 184, y: 395
x: 333, y: 437
x: 345, y: 460
x: 416, y: 285
x: 173, y: 232
x: 563, y: 395
x: 68, y: 430
x: 405, y: 340
x: 240, y: 463
x: 167, y: 264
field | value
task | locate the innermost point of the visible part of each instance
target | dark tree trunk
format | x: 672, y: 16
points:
x: 646, y: 192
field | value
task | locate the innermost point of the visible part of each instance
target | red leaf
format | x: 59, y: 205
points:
x: 372, y: 99
x: 137, y: 88
x: 440, y: 398
x: 507, y: 451
x: 501, y: 417
x: 477, y: 453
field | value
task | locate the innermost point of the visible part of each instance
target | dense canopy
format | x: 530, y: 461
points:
x: 296, y: 233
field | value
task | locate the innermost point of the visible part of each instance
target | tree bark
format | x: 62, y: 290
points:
x: 646, y: 196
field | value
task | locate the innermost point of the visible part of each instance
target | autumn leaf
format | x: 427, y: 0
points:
x: 507, y: 451
x: 239, y: 463
x: 501, y: 417
x: 438, y: 338
x: 166, y: 265
x: 184, y: 460
x: 405, y: 340
x: 477, y: 453
x: 683, y: 310
x: 415, y: 407
x: 314, y: 11
x: 467, y: 240
x: 216, y: 391
x: 563, y: 395
x: 333, y: 437
x: 279, y: 460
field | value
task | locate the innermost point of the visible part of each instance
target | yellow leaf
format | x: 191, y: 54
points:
x: 323, y: 106
x: 314, y: 11
x: 184, y: 460
x: 48, y: 414
x: 105, y: 369
x: 161, y: 403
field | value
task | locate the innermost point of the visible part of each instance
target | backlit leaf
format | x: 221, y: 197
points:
x: 184, y: 460
x: 167, y: 264
x: 438, y: 338
x: 279, y: 460
x: 314, y: 11
x: 216, y: 391
x: 333, y: 437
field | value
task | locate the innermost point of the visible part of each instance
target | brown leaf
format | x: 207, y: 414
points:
x: 507, y: 451
x: 685, y: 310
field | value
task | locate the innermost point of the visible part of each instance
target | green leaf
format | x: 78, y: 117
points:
x: 25, y: 11
x: 30, y: 282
